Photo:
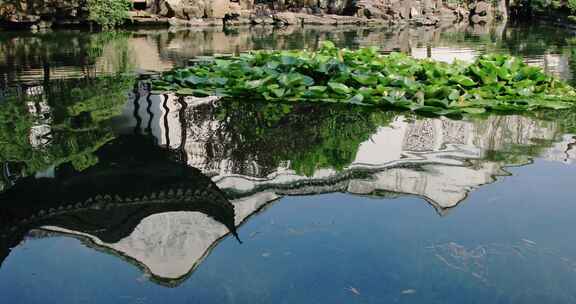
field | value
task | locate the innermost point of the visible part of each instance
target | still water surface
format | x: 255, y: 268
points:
x: 111, y: 194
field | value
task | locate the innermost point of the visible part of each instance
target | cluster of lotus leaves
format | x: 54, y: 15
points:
x: 494, y: 82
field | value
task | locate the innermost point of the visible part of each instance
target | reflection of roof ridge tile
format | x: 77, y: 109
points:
x: 174, y: 255
x: 433, y: 159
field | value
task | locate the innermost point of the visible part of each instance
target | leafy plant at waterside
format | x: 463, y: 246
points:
x: 109, y: 13
x: 365, y: 77
x: 572, y: 6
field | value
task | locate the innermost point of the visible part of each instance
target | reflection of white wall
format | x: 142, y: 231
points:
x: 168, y: 244
x: 173, y: 123
x: 445, y: 186
x: 198, y: 142
x: 370, y: 152
x: 39, y: 135
x: 426, y: 157
x: 441, y: 144
x: 500, y: 132
x: 564, y: 151
x: 172, y: 244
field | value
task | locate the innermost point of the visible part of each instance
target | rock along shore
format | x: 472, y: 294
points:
x: 38, y: 14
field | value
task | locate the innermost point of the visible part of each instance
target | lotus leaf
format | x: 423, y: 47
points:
x: 492, y: 82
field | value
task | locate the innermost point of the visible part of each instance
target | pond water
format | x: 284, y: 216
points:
x: 112, y: 194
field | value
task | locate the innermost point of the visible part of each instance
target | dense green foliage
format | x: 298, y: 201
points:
x: 365, y: 77
x: 548, y: 9
x: 109, y: 13
x: 275, y: 135
x: 70, y: 125
x: 535, y: 42
x: 572, y: 5
x: 272, y: 133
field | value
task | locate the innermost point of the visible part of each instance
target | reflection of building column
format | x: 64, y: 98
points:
x: 186, y: 125
x: 158, y: 115
x: 171, y: 127
x: 171, y: 245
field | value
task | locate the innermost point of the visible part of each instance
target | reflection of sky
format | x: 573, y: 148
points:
x: 314, y: 249
x: 446, y: 54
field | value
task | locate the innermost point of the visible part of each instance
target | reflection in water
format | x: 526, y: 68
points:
x: 143, y: 198
x: 159, y: 180
x: 33, y: 58
x: 182, y: 173
x: 546, y: 47
x: 262, y: 147
x: 116, y: 205
x: 63, y: 122
x: 167, y: 215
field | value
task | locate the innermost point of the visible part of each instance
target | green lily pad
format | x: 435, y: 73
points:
x: 493, y: 82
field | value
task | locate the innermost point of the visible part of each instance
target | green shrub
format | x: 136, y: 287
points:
x: 572, y: 6
x: 109, y: 13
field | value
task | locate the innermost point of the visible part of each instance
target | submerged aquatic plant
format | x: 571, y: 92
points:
x: 366, y: 77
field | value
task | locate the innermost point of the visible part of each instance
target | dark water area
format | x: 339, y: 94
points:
x: 112, y: 194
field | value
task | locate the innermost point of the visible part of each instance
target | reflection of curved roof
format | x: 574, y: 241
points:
x: 169, y: 246
x: 110, y: 200
x: 146, y: 203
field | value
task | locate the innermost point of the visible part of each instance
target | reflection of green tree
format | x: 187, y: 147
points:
x: 529, y: 41
x: 67, y: 48
x: 308, y: 136
x: 517, y: 155
x: 572, y: 56
x: 119, y: 40
x: 78, y: 110
x: 510, y: 142
x: 566, y: 120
